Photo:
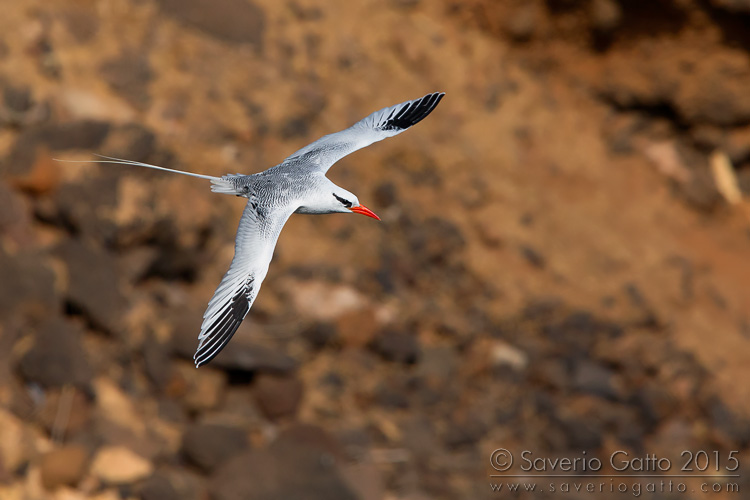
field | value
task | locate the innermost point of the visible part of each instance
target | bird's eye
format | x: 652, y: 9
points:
x: 345, y: 202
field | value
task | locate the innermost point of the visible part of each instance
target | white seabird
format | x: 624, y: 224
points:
x: 296, y: 185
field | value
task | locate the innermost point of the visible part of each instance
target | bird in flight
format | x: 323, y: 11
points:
x: 296, y: 185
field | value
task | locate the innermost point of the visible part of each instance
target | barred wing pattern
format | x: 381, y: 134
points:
x: 256, y: 239
x: 387, y: 122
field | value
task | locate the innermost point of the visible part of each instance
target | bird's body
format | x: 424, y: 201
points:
x: 298, y: 184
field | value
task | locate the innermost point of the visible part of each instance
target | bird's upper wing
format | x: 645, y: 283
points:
x: 387, y: 122
x: 256, y: 238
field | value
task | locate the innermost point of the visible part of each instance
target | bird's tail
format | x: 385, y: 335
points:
x: 119, y: 161
x: 226, y: 184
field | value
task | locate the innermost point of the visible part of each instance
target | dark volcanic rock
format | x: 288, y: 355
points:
x: 301, y: 463
x: 580, y: 329
x: 28, y: 282
x: 57, y: 357
x: 655, y: 402
x: 734, y: 427
x: 719, y: 97
x: 131, y: 141
x: 464, y: 430
x: 385, y: 194
x: 207, y: 446
x: 159, y: 487
x: 320, y: 334
x: 397, y: 346
x: 309, y: 436
x: 581, y: 432
x: 733, y: 5
x: 238, y: 21
x: 278, y: 396
x: 241, y: 354
x: 254, y: 357
x: 80, y: 208
x: 17, y: 99
x: 18, y: 109
x: 714, y: 93
x: 533, y: 257
x: 595, y: 378
x: 436, y: 240
x: 93, y: 287
x: 15, y: 217
x: 129, y: 74
x: 85, y: 135
x: 392, y: 393
x: 157, y: 363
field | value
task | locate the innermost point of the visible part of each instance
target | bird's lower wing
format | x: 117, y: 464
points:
x: 256, y: 239
x: 387, y: 122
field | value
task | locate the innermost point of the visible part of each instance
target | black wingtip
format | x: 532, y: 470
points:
x: 224, y: 327
x: 414, y: 112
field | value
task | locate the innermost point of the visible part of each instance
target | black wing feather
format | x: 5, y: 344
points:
x: 225, y: 326
x: 412, y: 114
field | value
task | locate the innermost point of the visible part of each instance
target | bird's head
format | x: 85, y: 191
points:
x: 345, y: 202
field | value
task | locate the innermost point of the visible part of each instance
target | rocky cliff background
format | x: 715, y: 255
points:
x: 563, y: 263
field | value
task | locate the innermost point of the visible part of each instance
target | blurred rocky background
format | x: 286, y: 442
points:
x: 563, y: 263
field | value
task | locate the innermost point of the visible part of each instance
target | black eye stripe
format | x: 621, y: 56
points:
x: 346, y: 203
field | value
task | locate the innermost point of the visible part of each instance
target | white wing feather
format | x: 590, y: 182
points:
x: 387, y: 122
x: 256, y: 240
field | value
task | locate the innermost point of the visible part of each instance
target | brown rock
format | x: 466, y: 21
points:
x: 64, y: 466
x: 738, y: 145
x: 17, y: 99
x: 308, y: 451
x: 28, y: 282
x: 436, y: 241
x: 132, y: 141
x: 83, y: 207
x: 129, y: 74
x: 205, y: 388
x: 42, y: 177
x: 320, y: 334
x: 119, y: 465
x: 605, y: 15
x: 237, y: 21
x: 15, y: 217
x: 159, y: 487
x: 397, y: 346
x: 57, y: 357
x: 85, y: 135
x: 709, y: 90
x: 247, y: 356
x: 241, y: 355
x: 81, y: 22
x: 74, y: 402
x: 93, y: 284
x: 716, y: 93
x: 208, y: 445
x: 116, y: 409
x: 157, y: 363
x: 733, y: 5
x: 596, y: 378
x: 385, y: 194
x: 522, y: 22
x: 16, y: 442
x: 464, y: 429
x: 277, y: 396
x: 357, y: 328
